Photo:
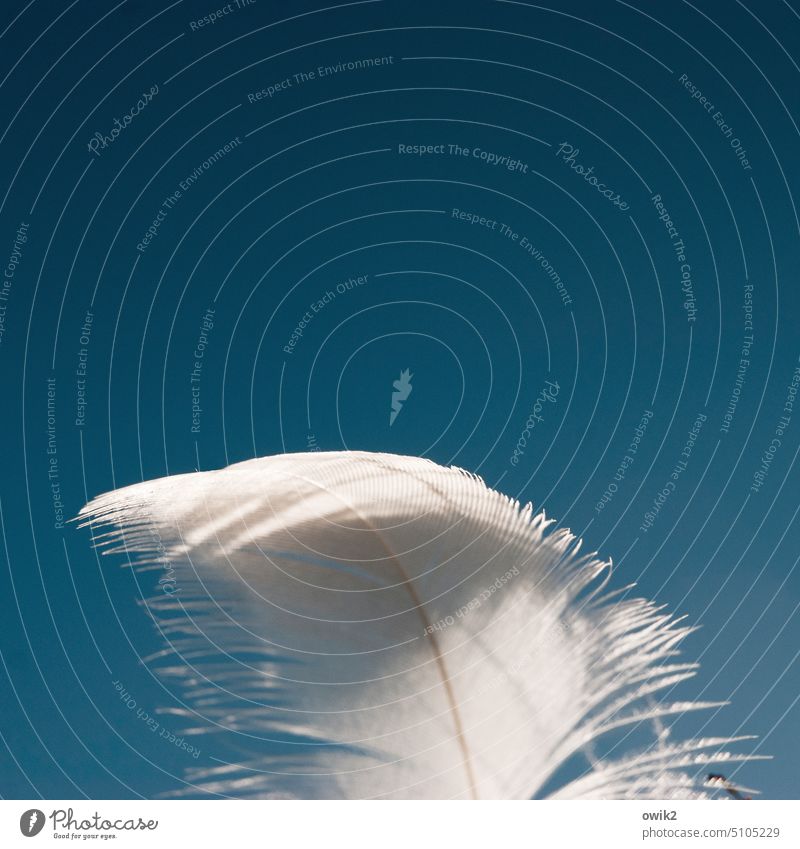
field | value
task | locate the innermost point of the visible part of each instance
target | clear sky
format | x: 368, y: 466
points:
x: 227, y: 238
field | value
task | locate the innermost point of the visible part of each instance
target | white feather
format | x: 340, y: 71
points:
x: 409, y: 631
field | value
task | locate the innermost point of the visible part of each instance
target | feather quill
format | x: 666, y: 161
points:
x: 400, y: 629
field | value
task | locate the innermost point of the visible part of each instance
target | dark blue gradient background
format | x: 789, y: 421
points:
x: 317, y: 193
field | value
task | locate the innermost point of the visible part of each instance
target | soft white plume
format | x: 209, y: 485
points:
x: 411, y: 633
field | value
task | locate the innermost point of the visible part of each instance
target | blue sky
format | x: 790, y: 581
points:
x: 641, y: 160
